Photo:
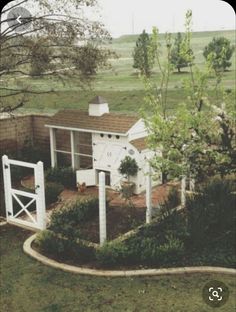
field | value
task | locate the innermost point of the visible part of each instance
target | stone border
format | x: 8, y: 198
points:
x: 122, y: 273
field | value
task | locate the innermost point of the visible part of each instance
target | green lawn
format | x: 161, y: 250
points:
x: 121, y: 85
x: 27, y: 285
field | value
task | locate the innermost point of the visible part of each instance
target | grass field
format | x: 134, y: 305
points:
x: 120, y: 85
x: 26, y: 285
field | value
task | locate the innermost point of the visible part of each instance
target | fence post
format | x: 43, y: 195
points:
x: 7, y: 186
x: 148, y: 195
x: 183, y: 191
x: 102, y: 208
x: 191, y: 184
x: 39, y: 181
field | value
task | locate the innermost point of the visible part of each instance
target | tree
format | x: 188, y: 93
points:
x: 199, y: 139
x: 50, y: 46
x: 176, y: 58
x: 219, y: 51
x: 142, y: 54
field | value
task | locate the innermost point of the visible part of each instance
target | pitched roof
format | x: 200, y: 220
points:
x: 140, y: 144
x: 98, y: 100
x: 112, y: 122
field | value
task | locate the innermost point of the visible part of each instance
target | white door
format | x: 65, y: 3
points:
x: 107, y: 156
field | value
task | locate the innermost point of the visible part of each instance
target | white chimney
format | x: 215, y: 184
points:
x: 98, y: 106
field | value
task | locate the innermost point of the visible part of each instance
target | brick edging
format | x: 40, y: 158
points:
x: 122, y: 273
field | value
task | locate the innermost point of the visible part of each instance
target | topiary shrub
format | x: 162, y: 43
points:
x: 52, y: 191
x: 66, y: 220
x: 128, y: 167
x: 65, y: 175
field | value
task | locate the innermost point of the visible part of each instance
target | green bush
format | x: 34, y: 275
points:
x: 142, y: 251
x: 211, y: 214
x: 66, y: 220
x: 128, y: 166
x: 65, y: 249
x: 52, y: 191
x: 112, y: 253
x: 65, y: 175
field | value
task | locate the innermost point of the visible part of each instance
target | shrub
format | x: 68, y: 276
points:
x: 52, y: 191
x: 112, y: 253
x: 66, y: 219
x: 211, y: 214
x: 65, y: 249
x: 142, y: 251
x: 128, y: 167
x: 65, y: 175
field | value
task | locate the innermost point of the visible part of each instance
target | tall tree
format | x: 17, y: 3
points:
x: 177, y: 58
x: 142, y: 54
x: 50, y: 44
x: 198, y: 140
x: 219, y: 51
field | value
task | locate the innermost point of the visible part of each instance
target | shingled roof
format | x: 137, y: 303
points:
x: 98, y: 100
x: 140, y: 144
x: 77, y: 119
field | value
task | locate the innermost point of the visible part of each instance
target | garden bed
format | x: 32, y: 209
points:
x: 119, y: 221
x: 201, y: 234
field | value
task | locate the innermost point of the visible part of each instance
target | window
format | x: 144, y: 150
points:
x: 101, y: 135
x: 83, y: 150
x: 109, y: 136
x: 82, y: 147
x: 117, y: 136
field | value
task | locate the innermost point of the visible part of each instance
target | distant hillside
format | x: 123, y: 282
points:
x: 226, y: 33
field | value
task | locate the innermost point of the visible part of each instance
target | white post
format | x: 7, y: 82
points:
x: 191, y: 184
x: 7, y: 186
x: 102, y: 208
x: 53, y: 147
x: 149, y: 195
x: 40, y: 205
x: 72, y: 146
x: 183, y: 191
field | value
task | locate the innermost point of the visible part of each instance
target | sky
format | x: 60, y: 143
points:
x: 132, y: 16
x: 122, y: 17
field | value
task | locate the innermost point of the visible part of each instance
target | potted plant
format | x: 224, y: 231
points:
x: 128, y: 167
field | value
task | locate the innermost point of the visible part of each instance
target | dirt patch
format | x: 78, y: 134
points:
x: 119, y: 221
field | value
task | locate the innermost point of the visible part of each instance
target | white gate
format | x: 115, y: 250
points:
x: 23, y: 215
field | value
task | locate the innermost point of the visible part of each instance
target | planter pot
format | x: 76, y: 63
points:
x: 127, y: 189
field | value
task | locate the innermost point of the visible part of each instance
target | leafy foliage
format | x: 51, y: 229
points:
x: 66, y: 220
x: 64, y: 249
x: 65, y: 175
x: 219, y: 52
x: 128, y: 166
x: 176, y: 57
x: 199, y: 140
x: 211, y: 214
x: 52, y: 191
x: 49, y: 47
x: 143, y: 54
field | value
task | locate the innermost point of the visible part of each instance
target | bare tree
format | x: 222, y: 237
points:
x: 50, y: 44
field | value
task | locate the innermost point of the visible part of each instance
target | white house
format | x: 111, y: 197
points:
x: 97, y: 140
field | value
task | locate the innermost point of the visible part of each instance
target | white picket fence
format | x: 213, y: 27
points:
x: 23, y: 216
